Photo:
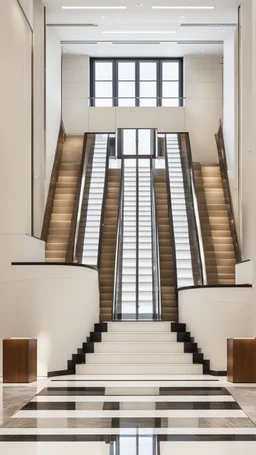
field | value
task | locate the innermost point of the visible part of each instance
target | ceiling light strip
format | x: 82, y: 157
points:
x: 95, y: 7
x: 184, y: 7
x: 137, y: 32
x: 71, y: 25
x: 208, y: 25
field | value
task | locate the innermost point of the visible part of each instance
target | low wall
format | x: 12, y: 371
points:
x: 213, y: 315
x: 58, y: 305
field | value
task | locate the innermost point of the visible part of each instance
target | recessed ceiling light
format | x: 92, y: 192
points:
x: 135, y: 32
x: 183, y: 7
x: 94, y: 7
x: 182, y: 17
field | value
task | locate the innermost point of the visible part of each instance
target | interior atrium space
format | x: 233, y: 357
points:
x: 127, y: 235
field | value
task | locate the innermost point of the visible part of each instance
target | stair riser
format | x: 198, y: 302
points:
x: 149, y: 370
x: 148, y: 348
x: 139, y: 337
x: 139, y: 327
x: 130, y: 359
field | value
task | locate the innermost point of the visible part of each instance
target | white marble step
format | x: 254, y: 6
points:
x: 142, y: 369
x: 142, y: 347
x: 133, y: 358
x: 139, y: 336
x: 137, y: 326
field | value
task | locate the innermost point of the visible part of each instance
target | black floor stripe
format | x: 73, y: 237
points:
x: 193, y: 391
x: 197, y: 406
x: 109, y: 438
x: 72, y: 391
x: 134, y: 406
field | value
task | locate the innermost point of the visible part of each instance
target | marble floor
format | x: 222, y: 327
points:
x: 113, y: 416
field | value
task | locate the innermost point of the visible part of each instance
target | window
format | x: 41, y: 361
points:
x: 137, y: 82
x: 103, y: 84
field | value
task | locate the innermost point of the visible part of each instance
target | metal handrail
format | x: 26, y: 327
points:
x: 118, y: 241
x: 170, y: 215
x: 155, y: 246
x: 229, y: 202
x: 103, y: 204
x: 81, y: 196
x: 196, y: 212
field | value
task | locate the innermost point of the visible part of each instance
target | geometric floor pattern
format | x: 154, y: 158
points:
x: 129, y: 417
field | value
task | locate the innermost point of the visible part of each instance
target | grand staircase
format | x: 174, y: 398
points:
x: 140, y: 348
x: 167, y: 280
x: 215, y: 226
x: 108, y: 248
x: 64, y: 200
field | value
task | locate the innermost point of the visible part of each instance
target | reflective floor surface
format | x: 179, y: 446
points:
x: 76, y: 415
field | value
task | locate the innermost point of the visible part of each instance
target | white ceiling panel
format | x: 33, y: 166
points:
x: 139, y: 22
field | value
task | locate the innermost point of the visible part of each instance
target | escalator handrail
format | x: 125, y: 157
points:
x: 81, y: 180
x: 156, y: 240
x: 118, y: 240
x: 196, y: 212
x: 170, y: 215
x: 102, y: 218
x: 219, y: 137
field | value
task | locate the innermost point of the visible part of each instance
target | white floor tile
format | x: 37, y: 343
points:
x: 54, y: 448
x: 130, y: 414
x: 209, y: 448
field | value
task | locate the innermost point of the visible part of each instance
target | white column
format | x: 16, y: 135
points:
x: 53, y: 100
x: 247, y: 228
x: 230, y: 99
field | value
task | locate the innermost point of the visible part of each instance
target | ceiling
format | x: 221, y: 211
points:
x: 196, y: 31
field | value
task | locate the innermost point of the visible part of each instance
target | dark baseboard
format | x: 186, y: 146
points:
x: 59, y: 373
x: 217, y: 373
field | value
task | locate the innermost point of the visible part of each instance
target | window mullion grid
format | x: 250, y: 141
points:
x: 93, y: 82
x: 137, y: 224
x: 180, y: 82
x: 137, y: 83
x: 115, y: 83
x: 159, y: 83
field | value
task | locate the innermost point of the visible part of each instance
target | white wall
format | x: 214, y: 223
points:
x: 57, y: 305
x: 200, y: 116
x: 213, y: 315
x: 15, y: 120
x: 75, y: 92
x: 230, y: 129
x: 53, y: 100
x: 244, y: 273
x: 204, y: 104
x: 39, y: 117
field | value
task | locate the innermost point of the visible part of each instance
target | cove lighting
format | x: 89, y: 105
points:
x: 183, y: 7
x: 94, y: 7
x: 135, y: 32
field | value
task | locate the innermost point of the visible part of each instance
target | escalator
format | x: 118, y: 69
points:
x: 166, y: 249
x: 87, y: 249
x: 108, y: 245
